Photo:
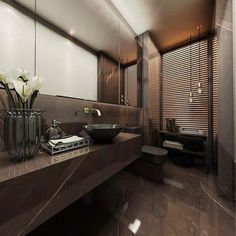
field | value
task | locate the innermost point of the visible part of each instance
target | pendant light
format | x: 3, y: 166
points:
x: 199, y: 85
x: 127, y: 86
x: 190, y: 70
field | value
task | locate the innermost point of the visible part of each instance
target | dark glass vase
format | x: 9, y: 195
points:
x: 22, y: 133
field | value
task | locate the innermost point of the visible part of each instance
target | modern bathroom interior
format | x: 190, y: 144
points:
x: 117, y: 117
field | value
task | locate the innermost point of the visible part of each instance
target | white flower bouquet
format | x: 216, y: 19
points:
x: 21, y: 89
x: 22, y: 124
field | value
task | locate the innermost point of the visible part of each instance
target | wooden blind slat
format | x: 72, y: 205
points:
x: 176, y: 87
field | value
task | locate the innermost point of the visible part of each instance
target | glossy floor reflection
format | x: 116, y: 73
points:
x: 187, y: 203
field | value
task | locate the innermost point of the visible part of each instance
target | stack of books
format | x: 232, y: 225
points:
x: 173, y: 144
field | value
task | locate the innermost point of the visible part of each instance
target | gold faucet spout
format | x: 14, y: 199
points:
x: 92, y: 111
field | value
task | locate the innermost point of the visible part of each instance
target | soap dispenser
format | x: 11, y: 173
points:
x: 54, y: 132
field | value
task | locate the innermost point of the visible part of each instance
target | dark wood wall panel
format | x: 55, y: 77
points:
x: 110, y: 80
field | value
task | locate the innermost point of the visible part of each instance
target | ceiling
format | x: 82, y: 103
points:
x: 112, y: 25
x: 169, y: 21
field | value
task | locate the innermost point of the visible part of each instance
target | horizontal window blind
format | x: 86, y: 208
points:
x: 176, y: 87
x: 154, y: 90
x: 215, y: 87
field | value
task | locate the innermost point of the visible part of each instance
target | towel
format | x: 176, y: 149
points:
x: 173, y: 144
x: 61, y: 141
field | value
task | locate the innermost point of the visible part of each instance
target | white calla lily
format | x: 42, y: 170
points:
x: 20, y: 74
x: 4, y: 78
x: 24, y: 74
x: 36, y: 83
x: 23, y: 89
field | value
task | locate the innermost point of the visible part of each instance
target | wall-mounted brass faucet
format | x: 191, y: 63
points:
x: 92, y: 111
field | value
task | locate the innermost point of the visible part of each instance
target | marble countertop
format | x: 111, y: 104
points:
x: 35, y: 190
x: 10, y: 169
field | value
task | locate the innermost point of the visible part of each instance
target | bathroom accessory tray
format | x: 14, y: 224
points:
x: 62, y: 147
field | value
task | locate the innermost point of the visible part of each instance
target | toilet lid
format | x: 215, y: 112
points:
x: 154, y: 150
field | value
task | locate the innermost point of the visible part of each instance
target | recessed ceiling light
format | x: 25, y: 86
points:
x: 71, y: 32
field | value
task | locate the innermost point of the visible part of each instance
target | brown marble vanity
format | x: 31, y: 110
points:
x: 31, y: 192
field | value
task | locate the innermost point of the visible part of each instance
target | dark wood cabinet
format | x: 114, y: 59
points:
x: 194, y: 146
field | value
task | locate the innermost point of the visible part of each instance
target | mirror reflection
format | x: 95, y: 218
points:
x: 89, y: 54
x: 18, y: 44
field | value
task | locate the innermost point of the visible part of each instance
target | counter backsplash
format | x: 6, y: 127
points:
x: 70, y: 112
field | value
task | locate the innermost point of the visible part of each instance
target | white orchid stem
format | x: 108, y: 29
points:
x: 19, y: 102
x: 33, y: 97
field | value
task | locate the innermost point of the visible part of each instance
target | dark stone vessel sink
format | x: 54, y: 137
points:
x: 103, y: 133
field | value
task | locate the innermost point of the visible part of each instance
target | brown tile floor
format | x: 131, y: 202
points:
x: 186, y: 204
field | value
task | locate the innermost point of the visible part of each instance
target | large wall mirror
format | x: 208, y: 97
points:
x: 89, y: 54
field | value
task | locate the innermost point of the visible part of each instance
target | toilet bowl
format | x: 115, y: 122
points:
x: 150, y: 164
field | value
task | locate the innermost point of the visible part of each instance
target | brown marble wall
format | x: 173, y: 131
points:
x: 70, y: 112
x: 146, y: 51
x: 143, y: 40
